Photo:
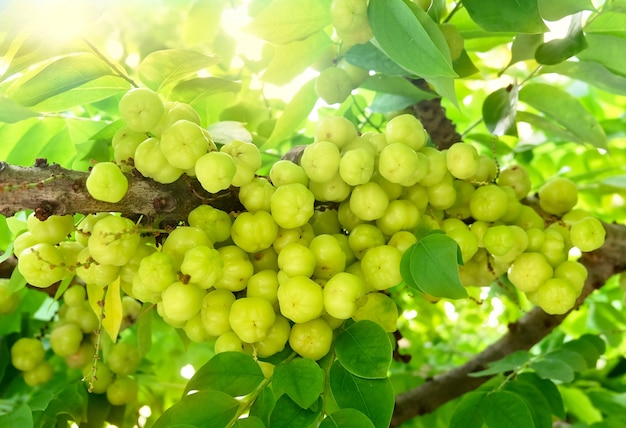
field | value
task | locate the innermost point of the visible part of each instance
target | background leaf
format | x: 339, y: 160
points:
x: 500, y: 109
x: 553, y: 10
x: 558, y: 50
x: 495, y: 15
x: 565, y: 110
x: 164, y: 67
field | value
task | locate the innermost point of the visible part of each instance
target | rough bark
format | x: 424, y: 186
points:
x: 51, y: 189
x: 522, y: 335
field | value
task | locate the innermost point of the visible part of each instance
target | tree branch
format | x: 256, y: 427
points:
x: 522, y: 335
x: 51, y: 189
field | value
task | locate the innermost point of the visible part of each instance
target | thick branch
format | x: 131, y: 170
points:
x: 51, y: 189
x: 522, y: 335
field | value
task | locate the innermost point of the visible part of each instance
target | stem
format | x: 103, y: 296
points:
x: 108, y: 62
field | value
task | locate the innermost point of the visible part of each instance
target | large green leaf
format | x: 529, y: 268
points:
x: 467, y: 412
x: 233, y: 373
x: 500, y: 109
x: 11, y: 111
x: 263, y: 405
x: 369, y: 57
x: 170, y: 66
x: 364, y: 350
x: 373, y: 397
x: 287, y: 414
x: 402, y: 36
x: 56, y: 77
x: 87, y: 93
x: 498, y: 16
x: 606, y: 50
x: 553, y: 10
x: 346, y: 418
x: 20, y: 417
x: 293, y: 115
x: 301, y: 379
x: 203, y: 408
x: 291, y: 59
x: 608, y: 22
x: 536, y: 402
x: 558, y: 50
x: 431, y: 266
x: 284, y: 21
x: 565, y: 110
x: 548, y: 389
x: 506, y: 409
x: 590, y: 72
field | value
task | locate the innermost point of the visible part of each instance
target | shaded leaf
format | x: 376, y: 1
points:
x: 565, y: 110
x: 558, y: 50
x: 20, y: 417
x: 524, y: 47
x: 606, y: 50
x: 249, y: 422
x: 263, y: 405
x: 496, y: 15
x: 284, y: 21
x: 369, y: 57
x: 506, y: 409
x: 169, y: 66
x: 536, y: 402
x: 204, y: 408
x: 233, y: 373
x: 364, y: 350
x: 500, y: 109
x: 392, y: 21
x: 301, y: 379
x: 553, y: 369
x: 548, y: 389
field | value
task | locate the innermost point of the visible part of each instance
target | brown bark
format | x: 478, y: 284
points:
x: 522, y: 335
x: 51, y: 189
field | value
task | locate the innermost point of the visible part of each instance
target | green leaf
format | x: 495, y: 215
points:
x: 558, y: 50
x: 590, y: 347
x: 189, y: 91
x: 577, y: 403
x: 87, y: 93
x: 551, y: 129
x: 233, y: 373
x: 397, y: 86
x: 467, y: 412
x: 565, y: 110
x: 284, y: 21
x: 249, y: 422
x: 499, y: 16
x: 512, y: 361
x: 590, y: 72
x: 506, y: 409
x: 301, y: 379
x: 21, y: 417
x: 606, y: 50
x: 291, y: 59
x: 536, y: 402
x: 346, y: 418
x: 553, y: 369
x: 570, y: 357
x: 608, y: 22
x: 170, y: 66
x: 263, y: 405
x: 433, y: 267
x: 548, y: 389
x: 287, y: 414
x: 56, y: 77
x: 373, y: 397
x: 369, y: 57
x: 553, y: 10
x: 364, y: 350
x: 203, y: 408
x: 71, y: 400
x: 392, y: 21
x: 11, y: 111
x: 500, y: 109
x: 293, y: 115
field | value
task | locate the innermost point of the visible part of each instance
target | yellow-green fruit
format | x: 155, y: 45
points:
x: 455, y: 41
x: 333, y: 85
